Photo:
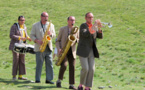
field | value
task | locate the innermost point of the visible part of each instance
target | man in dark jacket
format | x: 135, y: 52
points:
x: 87, y: 49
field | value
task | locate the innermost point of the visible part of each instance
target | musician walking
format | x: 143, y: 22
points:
x: 87, y: 50
x: 62, y: 38
x: 18, y: 34
x: 37, y: 34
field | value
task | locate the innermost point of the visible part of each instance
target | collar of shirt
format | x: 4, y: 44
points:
x: 69, y: 30
x: 44, y: 26
x: 21, y: 26
x: 89, y: 25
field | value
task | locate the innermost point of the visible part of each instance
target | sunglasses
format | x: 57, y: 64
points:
x: 22, y: 20
x: 44, y: 16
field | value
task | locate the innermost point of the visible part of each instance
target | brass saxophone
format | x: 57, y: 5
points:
x: 46, y: 38
x: 65, y: 49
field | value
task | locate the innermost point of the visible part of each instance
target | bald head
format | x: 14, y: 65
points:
x: 88, y: 13
x: 89, y: 17
x: 71, y: 21
x: 44, y: 13
x: 44, y: 17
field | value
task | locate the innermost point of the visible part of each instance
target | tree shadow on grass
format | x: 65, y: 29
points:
x: 49, y: 86
x: 16, y: 82
x: 30, y: 86
x: 34, y: 87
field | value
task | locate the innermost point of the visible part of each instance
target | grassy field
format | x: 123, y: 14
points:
x: 121, y: 64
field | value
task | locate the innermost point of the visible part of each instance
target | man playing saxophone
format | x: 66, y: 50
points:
x: 62, y: 38
x: 38, y: 32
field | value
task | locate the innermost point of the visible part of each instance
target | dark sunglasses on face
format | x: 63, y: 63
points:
x: 22, y: 20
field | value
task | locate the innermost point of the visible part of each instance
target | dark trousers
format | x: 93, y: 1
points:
x: 69, y: 57
x: 18, y: 63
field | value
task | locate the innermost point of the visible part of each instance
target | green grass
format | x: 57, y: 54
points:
x: 121, y: 64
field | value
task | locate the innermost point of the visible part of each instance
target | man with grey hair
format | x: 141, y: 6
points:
x: 37, y: 34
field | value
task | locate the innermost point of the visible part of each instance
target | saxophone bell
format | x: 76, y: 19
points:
x: 45, y: 39
x: 70, y: 40
x: 48, y: 38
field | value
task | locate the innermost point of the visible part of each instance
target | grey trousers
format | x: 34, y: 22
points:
x: 87, y: 71
x: 40, y: 57
x: 18, y: 64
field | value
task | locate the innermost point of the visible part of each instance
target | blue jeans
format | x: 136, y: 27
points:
x: 40, y: 57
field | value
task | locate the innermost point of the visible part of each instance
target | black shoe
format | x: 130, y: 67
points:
x: 58, y: 84
x: 72, y: 87
x: 80, y: 88
x: 49, y: 82
x: 37, y: 81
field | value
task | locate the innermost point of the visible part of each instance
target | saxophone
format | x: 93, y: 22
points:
x: 46, y: 39
x: 69, y: 41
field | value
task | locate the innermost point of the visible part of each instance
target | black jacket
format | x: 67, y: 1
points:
x: 87, y: 41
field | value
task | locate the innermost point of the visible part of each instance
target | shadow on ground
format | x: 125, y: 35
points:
x: 28, y: 84
x: 10, y: 81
